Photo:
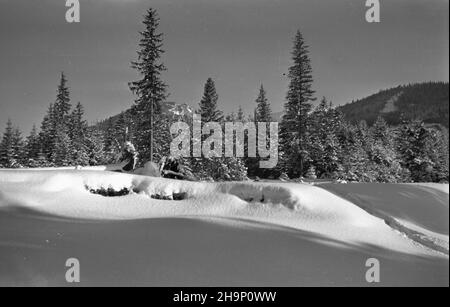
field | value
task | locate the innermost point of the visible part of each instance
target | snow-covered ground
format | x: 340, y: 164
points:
x: 218, y: 234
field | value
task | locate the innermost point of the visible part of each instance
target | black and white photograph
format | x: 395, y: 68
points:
x: 224, y: 151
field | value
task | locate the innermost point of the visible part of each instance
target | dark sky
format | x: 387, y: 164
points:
x: 240, y: 43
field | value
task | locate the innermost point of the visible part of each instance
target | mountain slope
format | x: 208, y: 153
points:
x: 427, y: 101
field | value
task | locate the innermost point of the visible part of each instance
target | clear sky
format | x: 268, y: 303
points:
x: 239, y: 43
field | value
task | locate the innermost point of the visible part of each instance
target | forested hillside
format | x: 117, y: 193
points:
x: 425, y: 101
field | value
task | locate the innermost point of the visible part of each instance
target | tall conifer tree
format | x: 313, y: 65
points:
x: 150, y: 89
x: 299, y: 103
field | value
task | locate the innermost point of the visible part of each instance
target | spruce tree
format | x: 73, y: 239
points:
x: 208, y: 104
x: 353, y: 155
x: 263, y: 111
x: 62, y: 106
x: 60, y: 149
x: 111, y: 147
x: 77, y: 134
x: 420, y: 148
x: 77, y: 123
x: 299, y: 98
x: 95, y: 140
x: 62, y: 153
x: 382, y: 152
x: 216, y: 168
x: 7, y: 146
x: 441, y: 155
x: 150, y: 89
x: 41, y: 161
x: 380, y: 131
x: 32, y: 147
x: 18, y: 148
x: 55, y: 126
x: 323, y: 146
x: 47, y: 135
x: 121, y: 128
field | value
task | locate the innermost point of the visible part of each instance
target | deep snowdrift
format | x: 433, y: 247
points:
x: 420, y: 211
x: 323, y: 228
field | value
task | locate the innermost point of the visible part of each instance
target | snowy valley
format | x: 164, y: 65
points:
x: 222, y: 234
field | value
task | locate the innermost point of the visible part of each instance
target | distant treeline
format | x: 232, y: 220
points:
x: 333, y: 148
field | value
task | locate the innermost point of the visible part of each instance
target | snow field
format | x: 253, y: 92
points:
x: 65, y: 193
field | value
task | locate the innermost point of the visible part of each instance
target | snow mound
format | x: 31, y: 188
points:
x: 68, y: 193
x: 419, y: 211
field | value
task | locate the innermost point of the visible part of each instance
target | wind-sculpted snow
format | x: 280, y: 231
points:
x: 303, y: 207
x: 421, y: 212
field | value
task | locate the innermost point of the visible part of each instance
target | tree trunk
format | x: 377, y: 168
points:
x: 151, y: 130
x: 300, y: 140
